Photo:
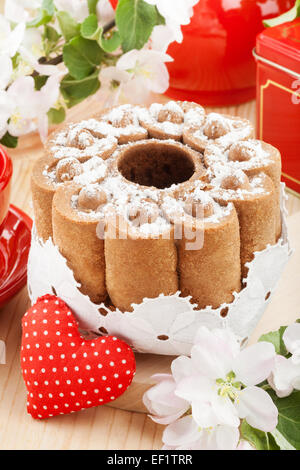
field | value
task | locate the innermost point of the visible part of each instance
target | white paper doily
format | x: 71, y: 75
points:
x: 166, y: 324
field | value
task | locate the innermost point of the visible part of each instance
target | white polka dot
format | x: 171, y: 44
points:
x: 43, y: 370
x: 33, y: 322
x: 96, y: 353
x: 28, y: 346
x: 50, y: 395
x: 114, y: 338
x: 119, y: 349
x: 45, y: 321
x: 57, y: 382
x: 55, y: 406
x: 65, y: 369
x: 116, y: 375
x: 40, y: 358
x: 45, y: 407
x: 103, y: 377
x: 93, y: 345
x: 34, y: 333
x: 57, y: 322
x: 35, y: 383
x: 54, y: 369
x: 107, y: 351
x: 73, y: 344
x: 32, y: 371
x: 35, y: 407
x: 46, y: 382
x: 112, y: 398
x: 80, y: 381
x: 51, y: 357
x: 92, y: 379
x: 48, y: 345
x: 128, y: 372
x: 59, y: 344
x: 123, y: 361
x: 84, y: 392
x: 111, y: 363
x: 37, y: 345
x: 62, y: 356
x: 76, y: 368
x: 40, y: 395
x: 100, y: 366
x: 73, y: 355
x: 120, y: 386
x: 61, y: 394
x: 73, y: 394
x: 102, y: 340
x: 77, y: 404
x: 58, y: 333
x: 88, y: 367
x: 88, y: 402
x: 85, y: 354
x: 96, y: 390
x: 108, y: 389
x: 45, y: 332
x: 66, y: 405
x: 68, y: 382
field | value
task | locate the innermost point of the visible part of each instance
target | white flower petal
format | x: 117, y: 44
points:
x: 257, y: 407
x: 6, y: 109
x: 212, y: 354
x: 291, y: 338
x: 162, y: 402
x: 227, y: 437
x: 204, y: 414
x: 182, y: 367
x: 181, y: 432
x: 254, y: 364
x: 5, y: 70
x: 105, y: 12
x: 226, y: 411
x: 196, y: 388
x: 284, y: 376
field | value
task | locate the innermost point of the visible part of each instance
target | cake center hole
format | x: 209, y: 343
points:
x: 156, y: 164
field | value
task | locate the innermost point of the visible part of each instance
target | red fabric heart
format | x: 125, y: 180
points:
x: 62, y: 371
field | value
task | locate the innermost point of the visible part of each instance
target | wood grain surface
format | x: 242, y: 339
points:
x: 104, y: 427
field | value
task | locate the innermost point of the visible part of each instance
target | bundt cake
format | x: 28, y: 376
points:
x: 143, y: 201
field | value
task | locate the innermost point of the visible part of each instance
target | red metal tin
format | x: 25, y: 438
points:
x: 278, y: 95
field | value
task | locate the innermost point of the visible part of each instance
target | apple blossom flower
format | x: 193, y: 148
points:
x: 176, y: 13
x: 105, y: 12
x: 185, y: 434
x: 6, y: 70
x: 26, y: 108
x: 10, y: 39
x: 139, y: 72
x: 285, y: 375
x: 78, y: 9
x: 20, y: 11
x: 223, y: 387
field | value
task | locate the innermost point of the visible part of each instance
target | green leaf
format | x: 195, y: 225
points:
x: 135, y: 20
x: 9, y: 140
x: 45, y: 14
x: 69, y: 27
x: 39, y: 81
x: 92, y: 4
x: 81, y: 56
x: 56, y: 116
x: 281, y: 441
x: 159, y: 18
x: 89, y: 28
x: 111, y: 44
x: 285, y: 17
x: 51, y: 34
x: 259, y: 439
x: 75, y: 91
x: 288, y: 417
x: 275, y: 337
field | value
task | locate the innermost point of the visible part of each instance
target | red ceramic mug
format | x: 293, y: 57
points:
x: 5, y: 185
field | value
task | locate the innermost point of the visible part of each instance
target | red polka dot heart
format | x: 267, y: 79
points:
x: 62, y: 371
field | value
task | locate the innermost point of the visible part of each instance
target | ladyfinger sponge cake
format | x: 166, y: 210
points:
x: 148, y: 201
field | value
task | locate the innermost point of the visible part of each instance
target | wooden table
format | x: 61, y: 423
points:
x: 103, y: 427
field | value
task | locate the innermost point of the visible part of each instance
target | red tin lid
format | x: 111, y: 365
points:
x: 281, y: 44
